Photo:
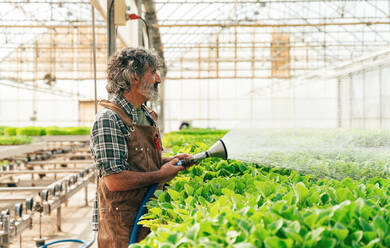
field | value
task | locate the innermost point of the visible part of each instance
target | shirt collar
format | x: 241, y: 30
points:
x: 130, y: 109
x: 123, y: 103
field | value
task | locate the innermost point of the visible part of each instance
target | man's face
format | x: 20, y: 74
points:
x: 149, y: 84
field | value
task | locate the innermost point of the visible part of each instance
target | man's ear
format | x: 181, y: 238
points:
x: 135, y: 78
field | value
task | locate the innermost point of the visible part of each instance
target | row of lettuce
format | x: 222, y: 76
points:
x: 239, y: 204
x: 23, y: 135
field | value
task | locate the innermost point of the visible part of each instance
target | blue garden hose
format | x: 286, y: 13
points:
x: 141, y: 211
x: 94, y: 231
x: 149, y: 193
x: 84, y: 243
x: 65, y: 241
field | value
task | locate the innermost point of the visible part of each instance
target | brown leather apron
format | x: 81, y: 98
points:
x: 117, y: 210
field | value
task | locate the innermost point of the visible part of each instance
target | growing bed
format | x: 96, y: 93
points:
x: 342, y: 200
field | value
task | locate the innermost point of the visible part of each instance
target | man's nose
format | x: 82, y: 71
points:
x: 157, y: 78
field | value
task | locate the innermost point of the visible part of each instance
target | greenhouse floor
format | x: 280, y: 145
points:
x: 76, y: 223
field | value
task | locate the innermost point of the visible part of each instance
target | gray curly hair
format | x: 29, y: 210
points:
x: 125, y: 63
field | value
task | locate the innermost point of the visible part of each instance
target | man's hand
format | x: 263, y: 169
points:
x: 183, y: 156
x: 189, y: 160
x: 169, y: 170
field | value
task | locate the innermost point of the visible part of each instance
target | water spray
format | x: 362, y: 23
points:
x: 218, y: 150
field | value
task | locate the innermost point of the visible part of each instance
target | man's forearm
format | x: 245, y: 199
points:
x: 129, y: 180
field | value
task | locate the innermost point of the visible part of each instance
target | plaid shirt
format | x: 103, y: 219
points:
x: 109, y: 137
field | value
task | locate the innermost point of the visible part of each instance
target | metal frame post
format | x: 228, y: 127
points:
x: 364, y: 98
x: 339, y: 107
x: 350, y: 101
x: 111, y: 33
x: 58, y: 219
x: 380, y: 97
x: 86, y: 195
x: 94, y: 57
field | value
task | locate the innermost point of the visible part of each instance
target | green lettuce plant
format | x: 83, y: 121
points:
x: 239, y: 204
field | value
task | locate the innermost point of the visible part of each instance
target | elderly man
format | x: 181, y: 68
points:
x: 126, y: 145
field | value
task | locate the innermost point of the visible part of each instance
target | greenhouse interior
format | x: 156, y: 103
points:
x: 195, y: 123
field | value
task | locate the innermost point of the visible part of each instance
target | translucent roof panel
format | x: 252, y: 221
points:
x: 319, y: 32
x: 45, y: 41
x: 22, y: 20
x: 203, y: 37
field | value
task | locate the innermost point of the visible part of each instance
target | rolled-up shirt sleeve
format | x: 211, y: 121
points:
x: 108, y: 144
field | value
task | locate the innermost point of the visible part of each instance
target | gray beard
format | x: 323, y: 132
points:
x: 149, y: 91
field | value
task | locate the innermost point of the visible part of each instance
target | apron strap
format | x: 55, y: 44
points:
x: 118, y: 110
x: 151, y: 113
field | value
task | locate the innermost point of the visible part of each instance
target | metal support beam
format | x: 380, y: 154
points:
x: 339, y: 107
x: 364, y: 116
x: 217, y: 56
x: 35, y: 82
x: 221, y: 77
x: 380, y: 69
x: 293, y: 45
x: 51, y: 26
x: 156, y: 43
x: 181, y: 67
x: 58, y: 224
x: 199, y: 60
x: 94, y: 57
x: 351, y: 105
x: 253, y: 2
x: 44, y: 1
x: 7, y: 200
x: 253, y: 52
x: 209, y: 76
x: 235, y: 51
x: 111, y: 32
x: 258, y: 25
x: 51, y: 171
x: 86, y: 195
x: 141, y: 42
x: 51, y: 162
x: 22, y: 189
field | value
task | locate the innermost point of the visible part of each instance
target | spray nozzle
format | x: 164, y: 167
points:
x: 218, y: 150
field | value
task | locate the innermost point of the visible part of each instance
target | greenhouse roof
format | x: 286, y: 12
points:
x: 201, y: 39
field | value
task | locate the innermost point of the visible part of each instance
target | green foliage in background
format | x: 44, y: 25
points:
x: 10, y: 131
x: 18, y: 136
x: 2, y: 130
x: 200, y: 131
x: 372, y: 138
x: 31, y: 131
x: 15, y: 140
x: 79, y: 130
x: 191, y: 136
x: 68, y: 131
x: 358, y: 165
x: 40, y: 131
x: 56, y: 131
x: 236, y: 204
